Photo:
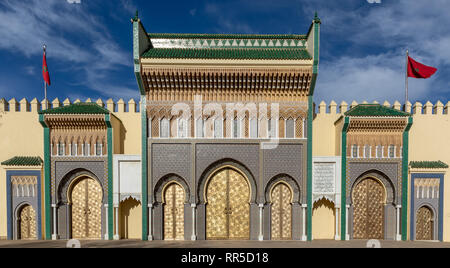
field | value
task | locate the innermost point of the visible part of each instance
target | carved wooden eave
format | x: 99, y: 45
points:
x: 377, y: 125
x: 227, y: 84
x: 76, y: 122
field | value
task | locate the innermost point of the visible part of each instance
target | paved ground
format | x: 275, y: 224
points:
x: 220, y: 244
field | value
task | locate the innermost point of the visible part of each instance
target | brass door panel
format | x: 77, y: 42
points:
x: 281, y: 212
x: 174, y: 212
x: 28, y: 223
x: 368, y: 211
x: 86, y: 209
x: 424, y: 224
x: 228, y: 208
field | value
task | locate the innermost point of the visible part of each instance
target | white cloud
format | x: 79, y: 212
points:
x: 370, y: 64
x: 57, y: 24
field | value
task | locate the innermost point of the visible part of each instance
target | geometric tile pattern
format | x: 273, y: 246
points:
x: 281, y: 212
x: 368, y: 216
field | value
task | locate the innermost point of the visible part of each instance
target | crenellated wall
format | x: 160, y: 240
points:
x: 22, y: 134
x: 429, y: 137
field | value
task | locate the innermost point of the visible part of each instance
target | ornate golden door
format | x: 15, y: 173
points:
x: 281, y: 212
x: 87, y: 209
x: 174, y: 212
x: 424, y: 224
x: 228, y: 208
x: 27, y: 223
x: 368, y: 212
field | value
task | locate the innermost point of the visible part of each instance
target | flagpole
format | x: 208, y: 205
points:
x: 406, y: 79
x: 45, y: 83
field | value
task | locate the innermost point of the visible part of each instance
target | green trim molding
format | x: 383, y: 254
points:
x: 405, y: 179
x: 316, y: 27
x: 47, y: 197
x: 145, y: 222
x: 344, y: 177
x: 110, y: 177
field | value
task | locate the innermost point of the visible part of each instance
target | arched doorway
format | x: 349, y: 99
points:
x: 281, y: 212
x: 227, y: 198
x: 130, y: 219
x: 174, y: 197
x: 27, y: 223
x: 424, y: 224
x: 369, y: 198
x: 86, y: 197
x: 323, y: 219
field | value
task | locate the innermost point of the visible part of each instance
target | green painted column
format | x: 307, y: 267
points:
x: 344, y: 178
x: 145, y: 222
x: 405, y: 179
x: 47, y: 196
x: 309, y: 169
x: 110, y: 178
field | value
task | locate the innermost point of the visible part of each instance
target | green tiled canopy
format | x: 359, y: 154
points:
x: 374, y: 110
x: 23, y: 161
x: 428, y: 164
x: 229, y: 53
x: 77, y: 108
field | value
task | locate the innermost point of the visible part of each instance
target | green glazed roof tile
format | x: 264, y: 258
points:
x: 374, y: 110
x: 428, y: 164
x: 23, y: 161
x: 229, y: 53
x: 77, y: 108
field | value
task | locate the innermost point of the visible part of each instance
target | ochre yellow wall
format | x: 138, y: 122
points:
x: 22, y: 135
x: 429, y: 140
x: 130, y: 219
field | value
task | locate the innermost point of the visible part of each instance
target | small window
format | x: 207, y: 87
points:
x: 272, y: 128
x: 379, y: 151
x: 236, y: 128
x: 367, y: 151
x: 98, y: 148
x: 290, y: 128
x: 391, y: 151
x: 199, y: 128
x: 218, y: 128
x: 60, y: 149
x: 164, y: 128
x: 73, y: 150
x: 355, y: 151
x: 182, y: 128
x: 86, y: 149
x: 254, y: 128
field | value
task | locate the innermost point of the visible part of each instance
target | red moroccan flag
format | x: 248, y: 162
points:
x: 418, y: 70
x: 45, y: 73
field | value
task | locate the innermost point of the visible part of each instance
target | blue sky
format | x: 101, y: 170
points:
x: 90, y: 46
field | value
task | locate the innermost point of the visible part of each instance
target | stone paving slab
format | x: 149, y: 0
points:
x: 221, y: 244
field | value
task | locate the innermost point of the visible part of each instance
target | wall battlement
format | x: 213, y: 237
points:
x: 35, y: 105
x: 415, y: 109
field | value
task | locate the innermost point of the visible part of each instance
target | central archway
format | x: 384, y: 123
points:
x: 227, y: 196
x: 86, y: 197
x: 369, y: 198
